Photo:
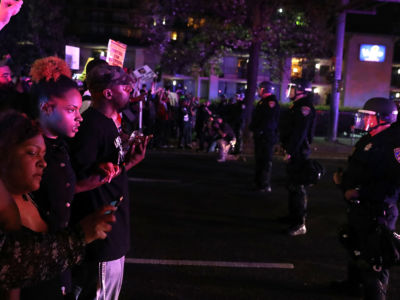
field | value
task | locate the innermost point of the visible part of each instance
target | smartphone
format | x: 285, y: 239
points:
x: 115, y: 203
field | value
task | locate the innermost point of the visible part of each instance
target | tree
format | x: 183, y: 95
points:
x: 37, y: 31
x: 210, y: 29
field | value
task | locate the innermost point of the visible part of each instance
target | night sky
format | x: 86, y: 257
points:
x: 386, y: 21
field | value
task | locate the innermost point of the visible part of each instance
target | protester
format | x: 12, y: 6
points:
x: 185, y: 125
x: 100, y: 140
x: 163, y: 120
x: 225, y: 138
x: 21, y: 163
x: 87, y: 98
x: 235, y: 118
x: 57, y: 102
x: 202, y: 115
x: 10, y: 98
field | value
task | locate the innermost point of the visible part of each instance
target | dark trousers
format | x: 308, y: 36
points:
x: 263, y: 151
x: 237, y: 129
x: 297, y: 203
x: 85, y: 279
x: 185, y: 134
x: 201, y: 137
x: 360, y: 223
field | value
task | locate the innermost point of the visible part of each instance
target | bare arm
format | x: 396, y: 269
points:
x: 8, y: 8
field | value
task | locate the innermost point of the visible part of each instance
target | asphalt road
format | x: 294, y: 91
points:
x: 189, y: 209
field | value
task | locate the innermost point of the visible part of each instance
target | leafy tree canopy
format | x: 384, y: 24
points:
x: 37, y: 31
x: 211, y: 29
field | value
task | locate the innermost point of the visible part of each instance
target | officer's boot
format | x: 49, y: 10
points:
x: 268, y: 178
x: 223, y: 152
x: 297, y: 209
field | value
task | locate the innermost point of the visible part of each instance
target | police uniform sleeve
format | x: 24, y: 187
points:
x: 302, y: 119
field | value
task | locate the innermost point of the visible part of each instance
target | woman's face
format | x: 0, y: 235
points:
x: 25, y: 166
x: 63, y: 117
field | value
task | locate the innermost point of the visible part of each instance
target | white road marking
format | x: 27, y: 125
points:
x: 154, y: 180
x: 200, y: 263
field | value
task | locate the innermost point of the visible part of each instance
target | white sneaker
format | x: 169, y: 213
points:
x: 298, y: 230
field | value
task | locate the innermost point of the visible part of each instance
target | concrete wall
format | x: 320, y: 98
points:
x: 364, y: 80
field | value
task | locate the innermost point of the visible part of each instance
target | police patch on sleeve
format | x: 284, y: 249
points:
x: 305, y: 110
x: 396, y: 152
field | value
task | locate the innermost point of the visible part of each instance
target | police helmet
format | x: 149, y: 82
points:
x: 265, y: 89
x: 302, y: 85
x: 376, y: 111
x: 266, y: 86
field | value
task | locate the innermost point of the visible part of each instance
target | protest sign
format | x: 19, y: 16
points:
x: 116, y: 53
x: 144, y: 73
x: 72, y: 57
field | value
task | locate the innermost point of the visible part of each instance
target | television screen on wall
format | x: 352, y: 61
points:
x: 374, y: 53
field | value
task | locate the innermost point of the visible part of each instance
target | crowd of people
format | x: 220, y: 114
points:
x: 65, y: 153
x: 179, y: 120
x: 61, y: 168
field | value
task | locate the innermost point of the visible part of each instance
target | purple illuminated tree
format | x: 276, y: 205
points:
x: 207, y: 30
x: 37, y: 31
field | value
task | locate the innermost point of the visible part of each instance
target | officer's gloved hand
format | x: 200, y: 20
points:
x: 338, y: 176
x: 352, y: 194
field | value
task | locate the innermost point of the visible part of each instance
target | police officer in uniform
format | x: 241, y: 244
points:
x: 371, y: 186
x: 296, y: 135
x: 264, y: 125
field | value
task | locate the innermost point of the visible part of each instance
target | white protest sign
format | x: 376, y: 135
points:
x: 72, y: 57
x: 116, y: 53
x: 144, y: 73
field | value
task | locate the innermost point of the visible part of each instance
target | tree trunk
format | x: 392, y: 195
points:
x: 252, y: 76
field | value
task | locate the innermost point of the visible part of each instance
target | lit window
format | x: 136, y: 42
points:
x: 397, y: 95
x: 398, y: 71
x: 317, y: 66
x: 297, y: 68
x: 163, y: 21
x: 190, y: 22
x: 154, y: 22
x: 174, y: 36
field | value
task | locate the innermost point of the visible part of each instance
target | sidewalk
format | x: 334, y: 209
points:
x: 323, y: 149
x: 320, y: 148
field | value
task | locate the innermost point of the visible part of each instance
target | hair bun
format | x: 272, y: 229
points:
x: 49, y: 68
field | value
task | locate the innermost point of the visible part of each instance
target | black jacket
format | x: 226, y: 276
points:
x: 265, y: 120
x: 298, y: 128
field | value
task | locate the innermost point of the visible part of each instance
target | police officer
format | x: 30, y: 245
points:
x: 264, y: 125
x: 296, y: 135
x: 371, y: 186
